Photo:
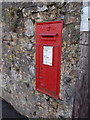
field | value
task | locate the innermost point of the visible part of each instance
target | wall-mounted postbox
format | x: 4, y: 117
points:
x: 48, y: 57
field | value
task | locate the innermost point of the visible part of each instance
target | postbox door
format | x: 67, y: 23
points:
x: 48, y: 76
x: 48, y: 57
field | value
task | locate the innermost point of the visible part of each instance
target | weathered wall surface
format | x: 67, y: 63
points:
x: 18, y: 47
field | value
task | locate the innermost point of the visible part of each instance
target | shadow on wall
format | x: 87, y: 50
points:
x: 9, y: 112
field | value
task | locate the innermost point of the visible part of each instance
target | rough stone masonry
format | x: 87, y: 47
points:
x: 18, y: 57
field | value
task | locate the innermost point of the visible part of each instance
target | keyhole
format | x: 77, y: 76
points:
x: 41, y: 68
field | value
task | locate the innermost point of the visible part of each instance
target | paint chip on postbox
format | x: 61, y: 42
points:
x: 47, y: 55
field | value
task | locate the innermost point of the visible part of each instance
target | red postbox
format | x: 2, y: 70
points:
x: 48, y: 57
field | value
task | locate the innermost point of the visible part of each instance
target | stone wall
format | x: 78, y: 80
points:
x: 18, y: 53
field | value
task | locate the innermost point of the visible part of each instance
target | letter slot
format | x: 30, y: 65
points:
x: 48, y: 36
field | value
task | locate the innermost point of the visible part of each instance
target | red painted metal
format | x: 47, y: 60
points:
x: 48, y: 76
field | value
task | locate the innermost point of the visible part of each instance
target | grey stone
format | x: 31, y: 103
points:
x: 53, y: 7
x: 41, y: 9
x: 67, y: 80
x: 29, y: 28
x: 7, y: 37
x: 28, y: 46
x: 32, y: 70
